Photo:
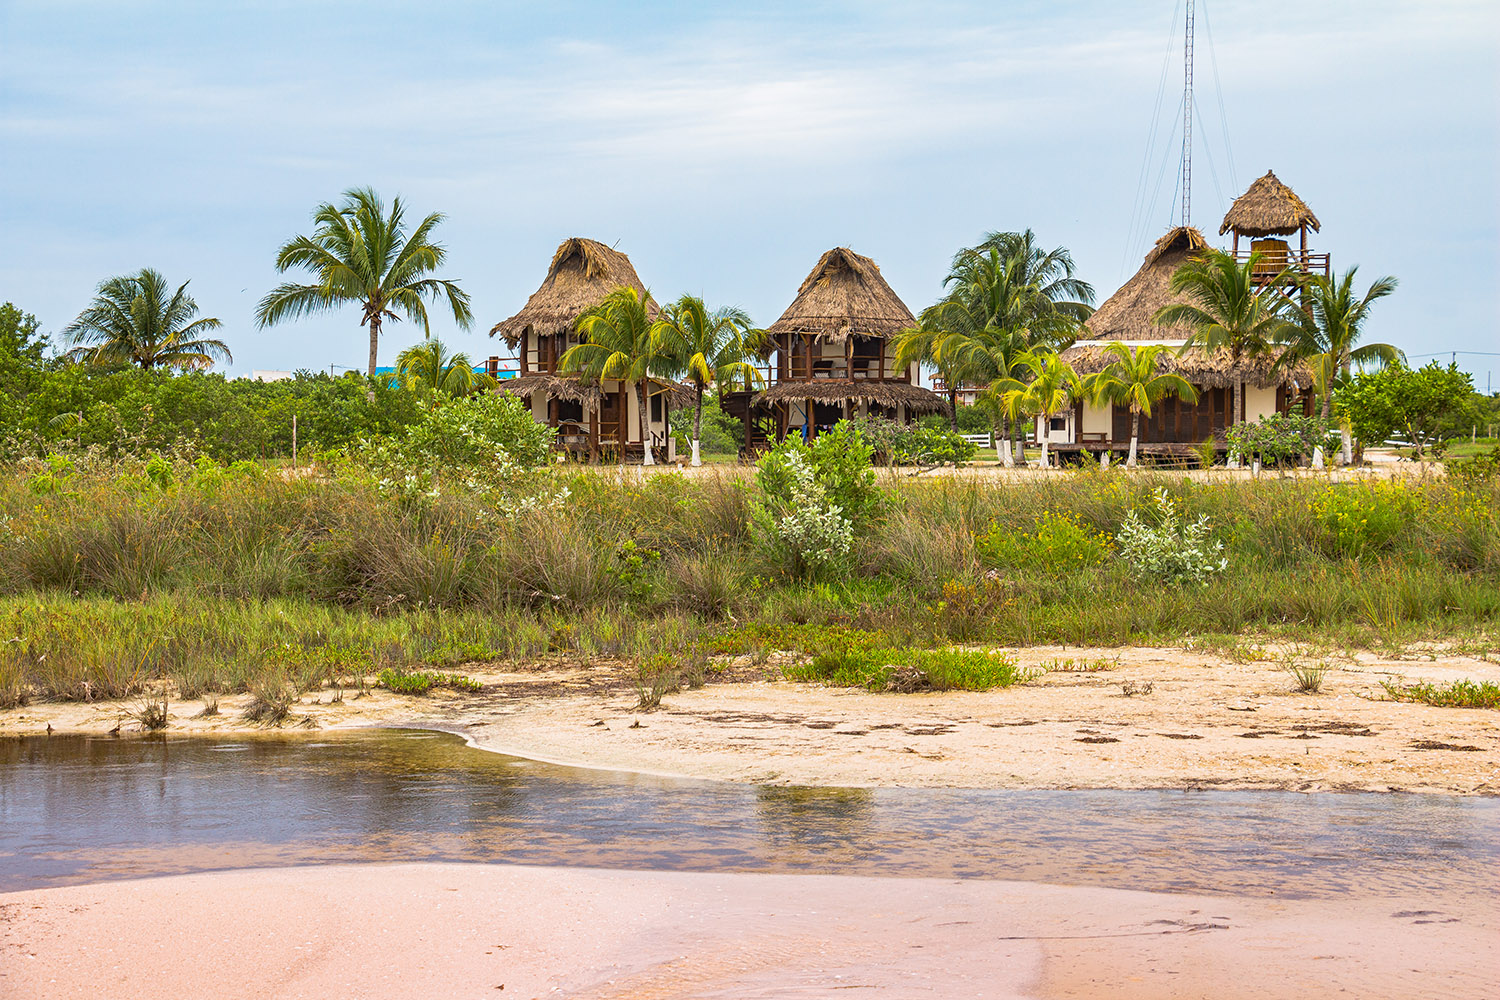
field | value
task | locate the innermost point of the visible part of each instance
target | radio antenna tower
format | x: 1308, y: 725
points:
x: 1187, y: 121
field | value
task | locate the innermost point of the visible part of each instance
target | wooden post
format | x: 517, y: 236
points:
x: 1304, y: 246
x: 849, y: 357
x: 1236, y: 242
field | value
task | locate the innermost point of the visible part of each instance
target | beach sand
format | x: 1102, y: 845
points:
x: 1209, y: 722
x: 466, y: 931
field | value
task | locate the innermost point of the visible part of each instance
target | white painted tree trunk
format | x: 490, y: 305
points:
x: 1046, y: 461
x: 1130, y: 460
x: 645, y: 408
x: 1317, y: 459
x: 696, y: 459
x: 1104, y: 459
x: 1346, y: 449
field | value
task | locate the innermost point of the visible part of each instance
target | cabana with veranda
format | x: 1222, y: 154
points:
x: 592, y: 419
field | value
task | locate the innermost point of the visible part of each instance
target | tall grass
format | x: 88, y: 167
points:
x: 213, y: 581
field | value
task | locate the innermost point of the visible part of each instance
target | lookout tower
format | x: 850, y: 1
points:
x: 1266, y: 213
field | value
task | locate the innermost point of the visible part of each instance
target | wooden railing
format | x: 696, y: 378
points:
x: 1274, y: 262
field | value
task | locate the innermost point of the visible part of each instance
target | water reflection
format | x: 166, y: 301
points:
x: 75, y: 809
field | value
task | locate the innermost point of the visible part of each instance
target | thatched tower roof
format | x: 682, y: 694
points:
x: 1269, y: 208
x: 1126, y: 315
x: 828, y: 390
x: 843, y: 295
x: 581, y: 274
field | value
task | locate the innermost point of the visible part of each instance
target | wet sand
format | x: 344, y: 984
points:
x: 443, y: 930
x: 1208, y: 722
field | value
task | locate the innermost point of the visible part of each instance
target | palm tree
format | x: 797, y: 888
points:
x: 1227, y: 310
x: 137, y: 319
x: 618, y: 344
x: 361, y: 254
x: 1055, y: 300
x: 709, y: 348
x: 1051, y: 389
x: 430, y: 371
x: 1004, y: 298
x: 1131, y: 379
x: 1327, y: 336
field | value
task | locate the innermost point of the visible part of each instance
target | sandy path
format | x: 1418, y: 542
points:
x: 1208, y: 722
x: 417, y: 931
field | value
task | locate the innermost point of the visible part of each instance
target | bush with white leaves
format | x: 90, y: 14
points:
x: 1169, y: 550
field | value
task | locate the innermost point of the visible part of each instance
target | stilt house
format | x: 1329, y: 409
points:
x: 833, y: 356
x: 592, y: 420
x: 1175, y: 426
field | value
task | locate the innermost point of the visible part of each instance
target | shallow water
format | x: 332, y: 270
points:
x: 85, y: 809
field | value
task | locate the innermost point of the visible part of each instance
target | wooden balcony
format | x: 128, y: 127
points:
x: 1278, y: 257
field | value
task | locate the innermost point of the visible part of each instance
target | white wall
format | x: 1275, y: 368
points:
x: 1064, y: 436
x: 1259, y: 402
x: 1099, y: 419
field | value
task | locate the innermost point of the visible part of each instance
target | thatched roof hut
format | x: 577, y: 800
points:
x: 1268, y: 208
x: 1127, y: 314
x: 844, y: 294
x: 581, y: 274
x: 820, y: 390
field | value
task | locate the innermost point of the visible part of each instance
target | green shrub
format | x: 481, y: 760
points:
x: 926, y: 443
x: 1171, y: 551
x: 1360, y: 518
x: 422, y: 681
x: 1457, y: 694
x: 852, y: 658
x: 1059, y: 544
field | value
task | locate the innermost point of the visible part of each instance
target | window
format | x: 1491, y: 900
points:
x: 569, y: 411
x: 655, y: 409
x: 1058, y: 424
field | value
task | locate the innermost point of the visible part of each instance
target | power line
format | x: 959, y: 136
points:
x: 1213, y: 62
x: 1143, y: 184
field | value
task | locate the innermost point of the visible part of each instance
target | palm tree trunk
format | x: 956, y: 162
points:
x: 1019, y: 436
x: 1135, y: 436
x: 953, y: 408
x: 1346, y: 439
x: 640, y: 392
x: 1002, y: 444
x: 1045, y: 435
x: 374, y: 340
x: 1234, y: 418
x: 698, y: 426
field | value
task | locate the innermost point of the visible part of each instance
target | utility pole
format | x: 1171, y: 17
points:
x: 1187, y: 120
x: 294, y: 442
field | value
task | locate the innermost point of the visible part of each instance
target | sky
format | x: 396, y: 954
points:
x: 724, y: 147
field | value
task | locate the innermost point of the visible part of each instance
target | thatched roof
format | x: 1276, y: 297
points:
x: 1269, y: 208
x: 844, y: 294
x: 829, y: 390
x: 566, y: 387
x: 1215, y: 371
x: 581, y: 274
x: 574, y: 389
x: 1126, y: 315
